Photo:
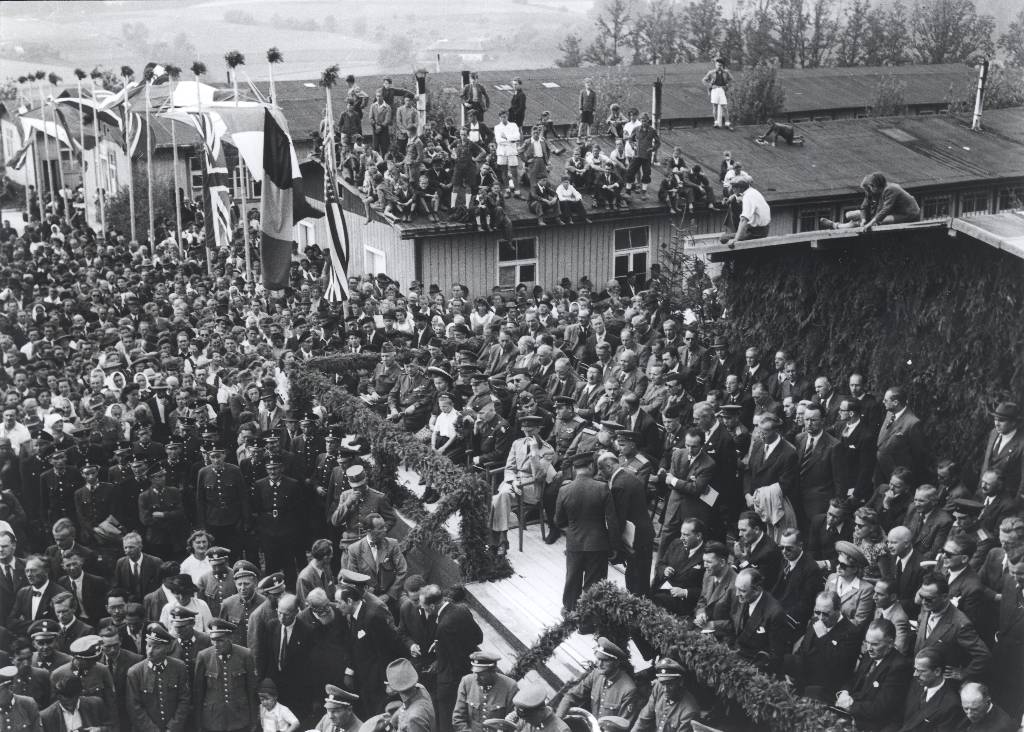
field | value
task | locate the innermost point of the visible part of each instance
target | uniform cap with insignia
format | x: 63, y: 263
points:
x: 564, y: 401
x: 218, y: 553
x: 353, y: 579
x: 607, y: 649
x: 531, y: 420
x: 401, y: 675
x: 482, y: 660
x: 668, y: 668
x: 272, y: 583
x: 475, y: 377
x: 218, y: 628
x: 629, y: 435
x: 44, y: 628
x: 8, y: 674
x: 182, y: 615
x: 356, y: 476
x: 612, y: 427
x: 730, y: 410
x: 336, y: 697
x: 499, y: 724
x: 244, y: 568
x: 530, y: 696
x: 86, y: 647
x: 156, y: 633
x: 967, y: 507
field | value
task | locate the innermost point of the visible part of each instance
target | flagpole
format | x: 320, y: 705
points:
x: 273, y: 57
x: 101, y: 190
x: 235, y: 59
x: 149, y: 164
x: 173, y: 72
x: 79, y: 75
x: 198, y: 69
x: 46, y: 180
x: 54, y: 80
x: 126, y: 72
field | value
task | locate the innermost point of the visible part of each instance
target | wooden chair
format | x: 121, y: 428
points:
x: 495, y: 476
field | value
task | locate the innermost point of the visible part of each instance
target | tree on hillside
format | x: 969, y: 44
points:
x: 759, y: 95
x: 853, y: 32
x: 889, y: 99
x: 948, y: 31
x: 572, y: 53
x: 704, y: 28
x: 1004, y: 88
x: 820, y: 43
x: 733, y: 46
x: 613, y: 31
x: 618, y: 85
x: 658, y: 34
x: 1012, y: 41
x: 790, y: 23
x: 887, y: 41
x: 759, y: 37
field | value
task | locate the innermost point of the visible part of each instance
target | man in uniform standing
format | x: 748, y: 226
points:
x: 222, y: 500
x: 586, y: 512
x: 532, y: 711
x: 224, y: 686
x: 485, y: 693
x: 95, y: 677
x: 607, y: 690
x: 16, y: 711
x: 670, y: 705
x: 158, y: 687
x: 279, y: 513
x: 217, y: 584
x: 238, y: 607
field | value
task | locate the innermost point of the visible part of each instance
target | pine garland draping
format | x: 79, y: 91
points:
x: 615, y: 613
x: 391, y: 446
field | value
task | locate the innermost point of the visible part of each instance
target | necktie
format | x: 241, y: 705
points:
x: 997, y: 446
x: 809, y: 448
x: 890, y: 420
x: 37, y: 593
x: 284, y: 648
x: 745, y: 616
x: 7, y: 574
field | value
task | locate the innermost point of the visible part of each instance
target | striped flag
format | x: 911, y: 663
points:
x: 18, y: 159
x: 134, y: 127
x: 217, y: 202
x: 282, y: 179
x: 338, y: 247
x: 87, y: 106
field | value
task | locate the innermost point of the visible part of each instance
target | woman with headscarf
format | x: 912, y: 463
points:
x: 775, y: 510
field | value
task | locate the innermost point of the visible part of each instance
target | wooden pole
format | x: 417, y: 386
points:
x: 177, y: 185
x: 81, y: 143
x: 206, y: 191
x: 46, y: 181
x: 131, y: 172
x: 245, y: 218
x: 101, y: 183
x: 149, y: 167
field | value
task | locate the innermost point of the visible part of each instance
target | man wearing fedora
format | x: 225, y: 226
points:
x: 1004, y: 448
x: 417, y: 711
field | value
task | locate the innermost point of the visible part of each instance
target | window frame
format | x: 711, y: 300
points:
x: 936, y: 199
x: 972, y: 195
x: 518, y: 263
x: 630, y: 252
x: 1004, y: 193
x: 817, y: 212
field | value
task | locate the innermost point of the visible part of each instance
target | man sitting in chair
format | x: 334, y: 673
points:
x: 529, y: 471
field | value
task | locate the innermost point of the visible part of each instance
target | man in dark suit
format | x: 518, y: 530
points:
x: 136, y: 571
x: 71, y: 628
x: 933, y: 704
x: 679, y: 573
x: 279, y: 510
x: 160, y: 407
x: 690, y: 475
x: 629, y: 494
x: 374, y: 644
x: 762, y: 632
x: 966, y: 591
x: 826, y: 397
x: 718, y: 591
x: 853, y: 457
x: 800, y: 580
x: 827, y: 528
x: 90, y: 710
x: 982, y: 715
x: 118, y: 661
x: 90, y: 590
x: 12, y: 573
x: 585, y: 511
x: 718, y: 366
x: 826, y: 655
x: 998, y: 501
x: 795, y: 385
x: 456, y: 637
x: 755, y: 549
x: 928, y: 522
x: 720, y: 447
x: 637, y: 420
x: 902, y: 567
x: 33, y: 601
x: 1008, y: 653
x: 877, y: 692
x: 774, y: 461
x: 1004, y: 448
x: 946, y: 629
x: 902, y: 441
x: 816, y: 484
x: 284, y: 658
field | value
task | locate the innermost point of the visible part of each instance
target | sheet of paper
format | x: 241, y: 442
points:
x: 710, y: 497
x: 629, y: 534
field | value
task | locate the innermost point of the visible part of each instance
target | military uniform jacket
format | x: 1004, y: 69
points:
x: 531, y: 466
x: 416, y: 714
x: 474, y: 703
x: 550, y: 723
x: 171, y: 528
x: 237, y: 610
x: 92, y: 506
x: 23, y: 714
x: 662, y: 714
x: 159, y: 701
x: 188, y: 650
x: 224, y: 689
x: 353, y: 505
x: 97, y: 682
x: 278, y: 508
x: 216, y: 589
x: 565, y: 432
x: 492, y: 441
x: 58, y: 493
x: 604, y: 697
x: 222, y: 499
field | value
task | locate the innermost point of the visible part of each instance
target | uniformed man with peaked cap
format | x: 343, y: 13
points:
x: 340, y: 716
x: 158, y: 686
x: 607, y: 690
x: 483, y: 694
x: 670, y: 706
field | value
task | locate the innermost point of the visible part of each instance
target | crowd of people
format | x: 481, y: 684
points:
x: 466, y: 172
x: 181, y: 548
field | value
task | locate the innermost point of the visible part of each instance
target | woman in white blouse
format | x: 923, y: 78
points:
x: 196, y: 565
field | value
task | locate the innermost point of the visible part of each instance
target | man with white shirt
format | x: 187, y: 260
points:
x: 507, y: 136
x: 887, y: 606
x: 14, y: 430
x: 934, y: 701
x: 570, y: 202
x: 32, y: 602
x: 72, y: 710
x: 755, y: 215
x: 1004, y: 448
